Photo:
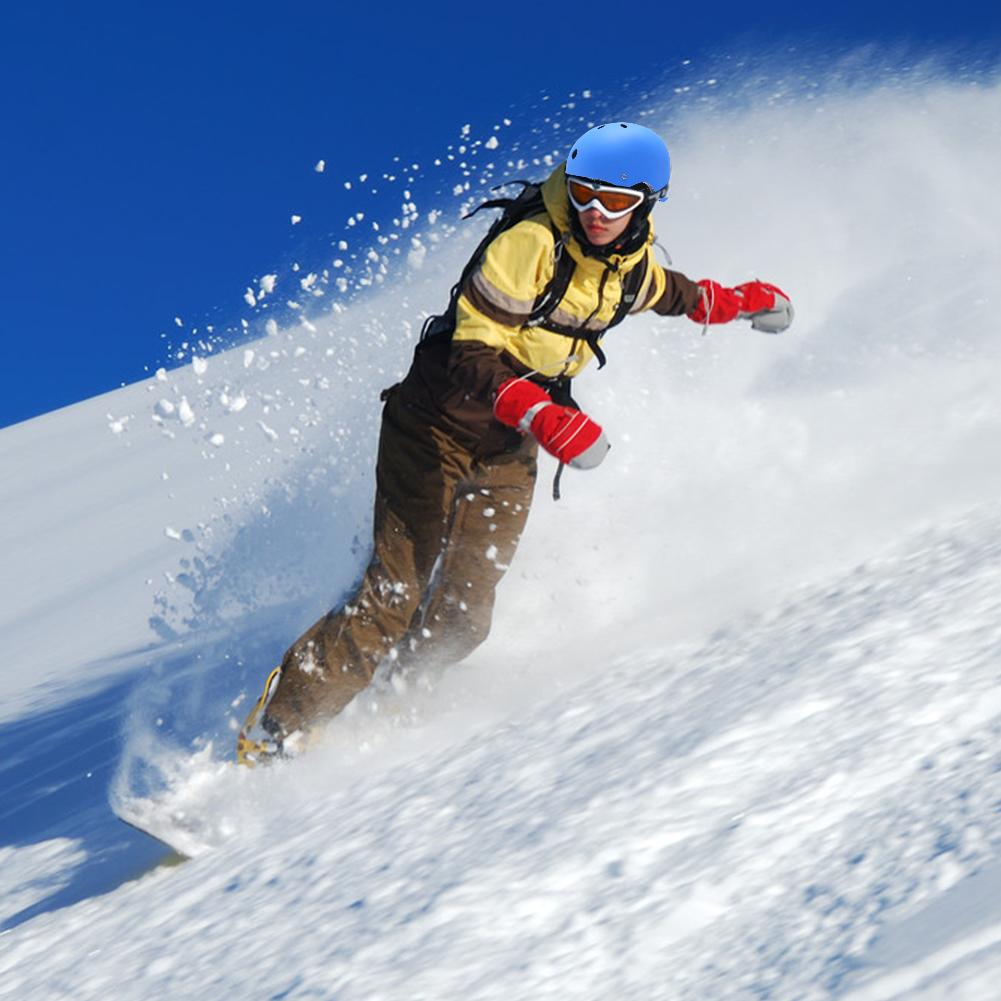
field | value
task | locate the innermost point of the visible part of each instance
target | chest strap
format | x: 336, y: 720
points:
x: 632, y: 282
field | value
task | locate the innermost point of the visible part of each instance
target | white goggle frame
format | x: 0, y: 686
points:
x: 594, y: 203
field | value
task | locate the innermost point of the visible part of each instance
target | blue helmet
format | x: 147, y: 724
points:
x: 624, y: 154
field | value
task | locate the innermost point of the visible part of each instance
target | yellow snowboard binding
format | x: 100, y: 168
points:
x: 257, y: 743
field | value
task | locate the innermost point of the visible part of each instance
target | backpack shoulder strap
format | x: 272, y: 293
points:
x: 563, y: 269
x: 631, y: 285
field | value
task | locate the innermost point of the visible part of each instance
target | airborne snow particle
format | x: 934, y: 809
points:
x: 296, y: 219
x: 320, y: 167
x: 185, y: 413
x: 417, y: 255
x: 200, y: 365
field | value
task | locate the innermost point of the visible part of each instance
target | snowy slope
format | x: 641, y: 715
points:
x: 739, y: 742
x: 736, y: 822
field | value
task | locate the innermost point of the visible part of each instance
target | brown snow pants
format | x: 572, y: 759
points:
x: 446, y: 529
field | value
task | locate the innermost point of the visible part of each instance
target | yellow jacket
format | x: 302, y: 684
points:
x: 518, y: 266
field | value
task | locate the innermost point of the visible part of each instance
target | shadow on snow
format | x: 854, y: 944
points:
x: 57, y: 766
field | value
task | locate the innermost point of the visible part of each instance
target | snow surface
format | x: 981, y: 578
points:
x: 735, y: 734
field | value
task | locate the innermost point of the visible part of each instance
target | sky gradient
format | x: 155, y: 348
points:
x: 154, y: 157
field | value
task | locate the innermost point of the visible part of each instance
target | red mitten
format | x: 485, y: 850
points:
x: 717, y: 304
x: 766, y: 306
x: 569, y: 435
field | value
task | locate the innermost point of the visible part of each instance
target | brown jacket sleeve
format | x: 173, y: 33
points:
x: 480, y: 368
x: 681, y: 295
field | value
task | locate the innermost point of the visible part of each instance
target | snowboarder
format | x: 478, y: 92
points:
x: 489, y: 383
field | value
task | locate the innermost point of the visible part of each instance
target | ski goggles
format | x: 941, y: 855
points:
x: 610, y: 201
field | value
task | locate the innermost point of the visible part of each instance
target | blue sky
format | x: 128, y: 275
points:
x: 153, y: 154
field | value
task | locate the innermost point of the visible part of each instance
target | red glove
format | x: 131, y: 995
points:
x: 766, y: 306
x: 566, y: 433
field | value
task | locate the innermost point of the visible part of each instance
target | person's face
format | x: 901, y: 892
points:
x: 599, y: 229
